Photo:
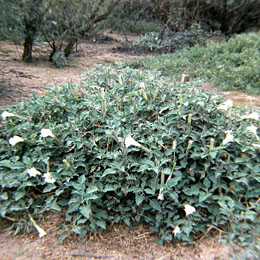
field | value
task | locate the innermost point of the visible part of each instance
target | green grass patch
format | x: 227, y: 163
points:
x: 231, y: 65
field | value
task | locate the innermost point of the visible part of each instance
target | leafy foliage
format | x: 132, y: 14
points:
x: 171, y: 41
x: 228, y: 16
x: 125, y: 146
x: 134, y: 16
x: 232, y: 65
x: 59, y: 60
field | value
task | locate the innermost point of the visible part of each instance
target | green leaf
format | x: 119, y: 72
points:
x: 203, y: 196
x: 80, y: 231
x: 108, y: 172
x: 85, y: 211
x: 127, y: 221
x: 174, y: 181
x: 155, y: 205
x: 139, y: 199
x: 174, y: 196
x: 149, y: 191
x: 6, y: 163
x: 62, y: 237
x: 92, y: 189
x: 55, y: 206
x: 108, y: 187
x: 101, y: 223
x: 49, y: 188
x: 207, y: 183
x: 135, y: 189
x: 82, y: 179
x: 73, y: 207
x: 59, y: 192
x: 77, y: 186
x: 18, y: 195
x: 194, y: 190
x: 4, y: 196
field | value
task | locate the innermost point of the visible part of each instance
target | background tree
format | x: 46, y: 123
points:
x: 60, y: 22
x: 228, y: 16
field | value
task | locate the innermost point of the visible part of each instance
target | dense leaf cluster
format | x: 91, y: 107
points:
x: 168, y: 41
x: 78, y: 140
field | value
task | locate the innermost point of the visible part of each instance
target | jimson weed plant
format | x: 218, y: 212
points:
x: 125, y: 146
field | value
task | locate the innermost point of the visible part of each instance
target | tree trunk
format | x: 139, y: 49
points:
x: 27, y: 49
x: 69, y: 47
x: 224, y: 19
x: 30, y: 31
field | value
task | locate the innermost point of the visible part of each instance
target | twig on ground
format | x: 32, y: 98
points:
x: 91, y: 255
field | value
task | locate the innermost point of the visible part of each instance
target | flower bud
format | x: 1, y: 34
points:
x: 144, y: 95
x: 211, y: 146
x: 189, y: 118
x: 189, y: 144
x: 174, y: 143
x: 102, y: 93
x: 180, y: 99
x: 120, y: 80
x: 155, y: 93
x: 66, y: 163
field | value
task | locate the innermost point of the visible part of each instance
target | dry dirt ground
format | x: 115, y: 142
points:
x: 17, y: 82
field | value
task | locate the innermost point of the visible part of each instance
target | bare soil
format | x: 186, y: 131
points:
x: 17, y: 82
x: 117, y: 243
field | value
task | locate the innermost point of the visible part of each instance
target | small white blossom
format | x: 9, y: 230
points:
x: 142, y: 85
x: 16, y: 139
x: 190, y: 142
x: 253, y: 130
x: 33, y: 172
x: 229, y: 137
x: 176, y: 230
x: 160, y: 196
x: 49, y: 178
x: 41, y: 232
x: 226, y: 105
x: 6, y: 114
x: 46, y: 132
x: 253, y: 115
x: 189, y: 209
x: 131, y: 141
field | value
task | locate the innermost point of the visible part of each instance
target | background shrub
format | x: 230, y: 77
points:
x: 135, y: 16
x: 76, y: 139
x: 168, y: 41
x: 231, y: 65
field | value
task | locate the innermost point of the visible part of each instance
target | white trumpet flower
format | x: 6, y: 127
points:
x: 6, y: 114
x: 41, y: 232
x: 189, y: 209
x: 131, y: 141
x: 229, y: 137
x: 253, y: 115
x: 46, y: 132
x: 33, y: 172
x: 176, y: 230
x: 253, y: 130
x: 226, y: 105
x: 16, y: 139
x: 48, y: 177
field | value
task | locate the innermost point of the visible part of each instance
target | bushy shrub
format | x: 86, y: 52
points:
x: 171, y: 41
x: 125, y: 146
x: 59, y: 60
x: 231, y: 65
x: 135, y: 17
